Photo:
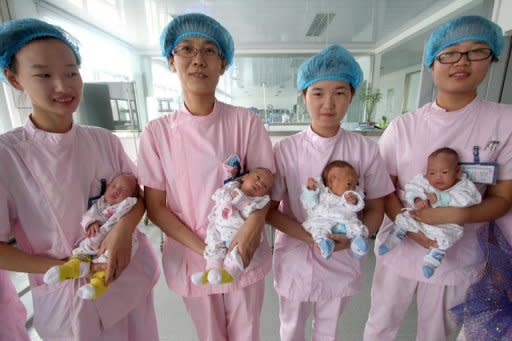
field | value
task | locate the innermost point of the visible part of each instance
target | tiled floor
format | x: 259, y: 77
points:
x: 174, y: 323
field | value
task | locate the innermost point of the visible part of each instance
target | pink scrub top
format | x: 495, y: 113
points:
x: 183, y: 155
x: 12, y: 312
x: 45, y: 182
x: 405, y: 146
x: 300, y: 272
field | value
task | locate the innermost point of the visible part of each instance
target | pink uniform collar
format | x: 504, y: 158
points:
x: 49, y: 138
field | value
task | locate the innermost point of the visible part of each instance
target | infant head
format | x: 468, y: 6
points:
x: 257, y: 182
x: 443, y: 169
x: 340, y: 177
x: 121, y: 187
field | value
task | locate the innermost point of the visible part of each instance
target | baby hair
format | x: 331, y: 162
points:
x: 335, y: 164
x: 136, y: 188
x: 447, y: 151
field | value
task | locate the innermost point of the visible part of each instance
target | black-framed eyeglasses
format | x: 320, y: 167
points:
x: 189, y: 51
x: 475, y: 55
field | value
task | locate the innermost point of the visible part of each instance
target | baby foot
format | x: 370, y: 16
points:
x: 199, y: 278
x: 72, y: 269
x: 359, y: 247
x: 326, y: 248
x: 95, y: 289
x: 219, y: 276
x: 432, y: 261
x: 395, y: 237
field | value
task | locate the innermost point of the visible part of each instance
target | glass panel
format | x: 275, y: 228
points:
x: 266, y: 84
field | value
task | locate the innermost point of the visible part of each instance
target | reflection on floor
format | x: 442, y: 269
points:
x: 174, y: 323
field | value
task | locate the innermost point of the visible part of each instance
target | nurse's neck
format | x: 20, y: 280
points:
x: 52, y: 124
x: 199, y: 105
x: 454, y: 101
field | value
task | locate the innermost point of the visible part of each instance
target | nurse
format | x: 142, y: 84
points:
x: 459, y: 54
x: 12, y: 312
x: 184, y: 157
x: 308, y: 284
x: 50, y: 167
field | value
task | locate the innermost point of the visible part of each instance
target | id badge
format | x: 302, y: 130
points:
x: 481, y: 173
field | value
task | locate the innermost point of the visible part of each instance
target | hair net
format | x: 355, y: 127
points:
x: 467, y: 28
x: 332, y: 63
x: 17, y: 33
x: 197, y: 25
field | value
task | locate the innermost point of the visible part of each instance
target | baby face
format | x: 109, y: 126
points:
x: 257, y: 183
x: 443, y: 171
x: 122, y: 187
x: 341, y: 179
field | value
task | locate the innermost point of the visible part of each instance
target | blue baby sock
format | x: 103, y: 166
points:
x: 339, y: 229
x: 432, y: 261
x: 326, y: 248
x: 396, y: 236
x: 359, y: 247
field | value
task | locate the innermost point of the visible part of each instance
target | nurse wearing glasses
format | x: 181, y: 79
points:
x: 184, y: 157
x: 459, y: 55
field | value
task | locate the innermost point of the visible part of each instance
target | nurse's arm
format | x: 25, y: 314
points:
x: 168, y: 222
x: 496, y: 203
x: 285, y: 224
x: 248, y: 238
x: 392, y: 204
x: 373, y: 213
x: 118, y: 241
x: 13, y: 259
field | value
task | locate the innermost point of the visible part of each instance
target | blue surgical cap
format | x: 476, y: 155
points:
x: 332, y: 63
x: 197, y: 25
x: 467, y: 28
x: 17, y: 33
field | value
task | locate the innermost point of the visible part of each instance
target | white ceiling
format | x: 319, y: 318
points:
x: 396, y: 29
x: 266, y: 25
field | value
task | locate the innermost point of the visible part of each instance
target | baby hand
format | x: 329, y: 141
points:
x: 420, y: 203
x: 432, y: 198
x: 350, y: 198
x: 93, y: 229
x: 234, y: 194
x: 311, y: 184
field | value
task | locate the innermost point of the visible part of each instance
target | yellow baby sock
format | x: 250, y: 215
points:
x: 95, y: 288
x: 219, y: 276
x: 76, y: 267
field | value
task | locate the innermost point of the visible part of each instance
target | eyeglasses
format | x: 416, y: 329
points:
x: 189, y: 52
x: 472, y: 55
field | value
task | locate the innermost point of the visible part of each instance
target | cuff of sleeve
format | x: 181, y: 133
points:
x: 444, y: 199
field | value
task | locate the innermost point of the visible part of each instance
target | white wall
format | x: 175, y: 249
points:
x: 501, y: 14
x: 394, y: 80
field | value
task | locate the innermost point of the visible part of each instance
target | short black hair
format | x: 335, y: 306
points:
x: 335, y: 164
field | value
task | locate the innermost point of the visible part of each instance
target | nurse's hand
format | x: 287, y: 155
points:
x: 341, y: 242
x: 248, y: 241
x: 420, y: 238
x: 119, y: 246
